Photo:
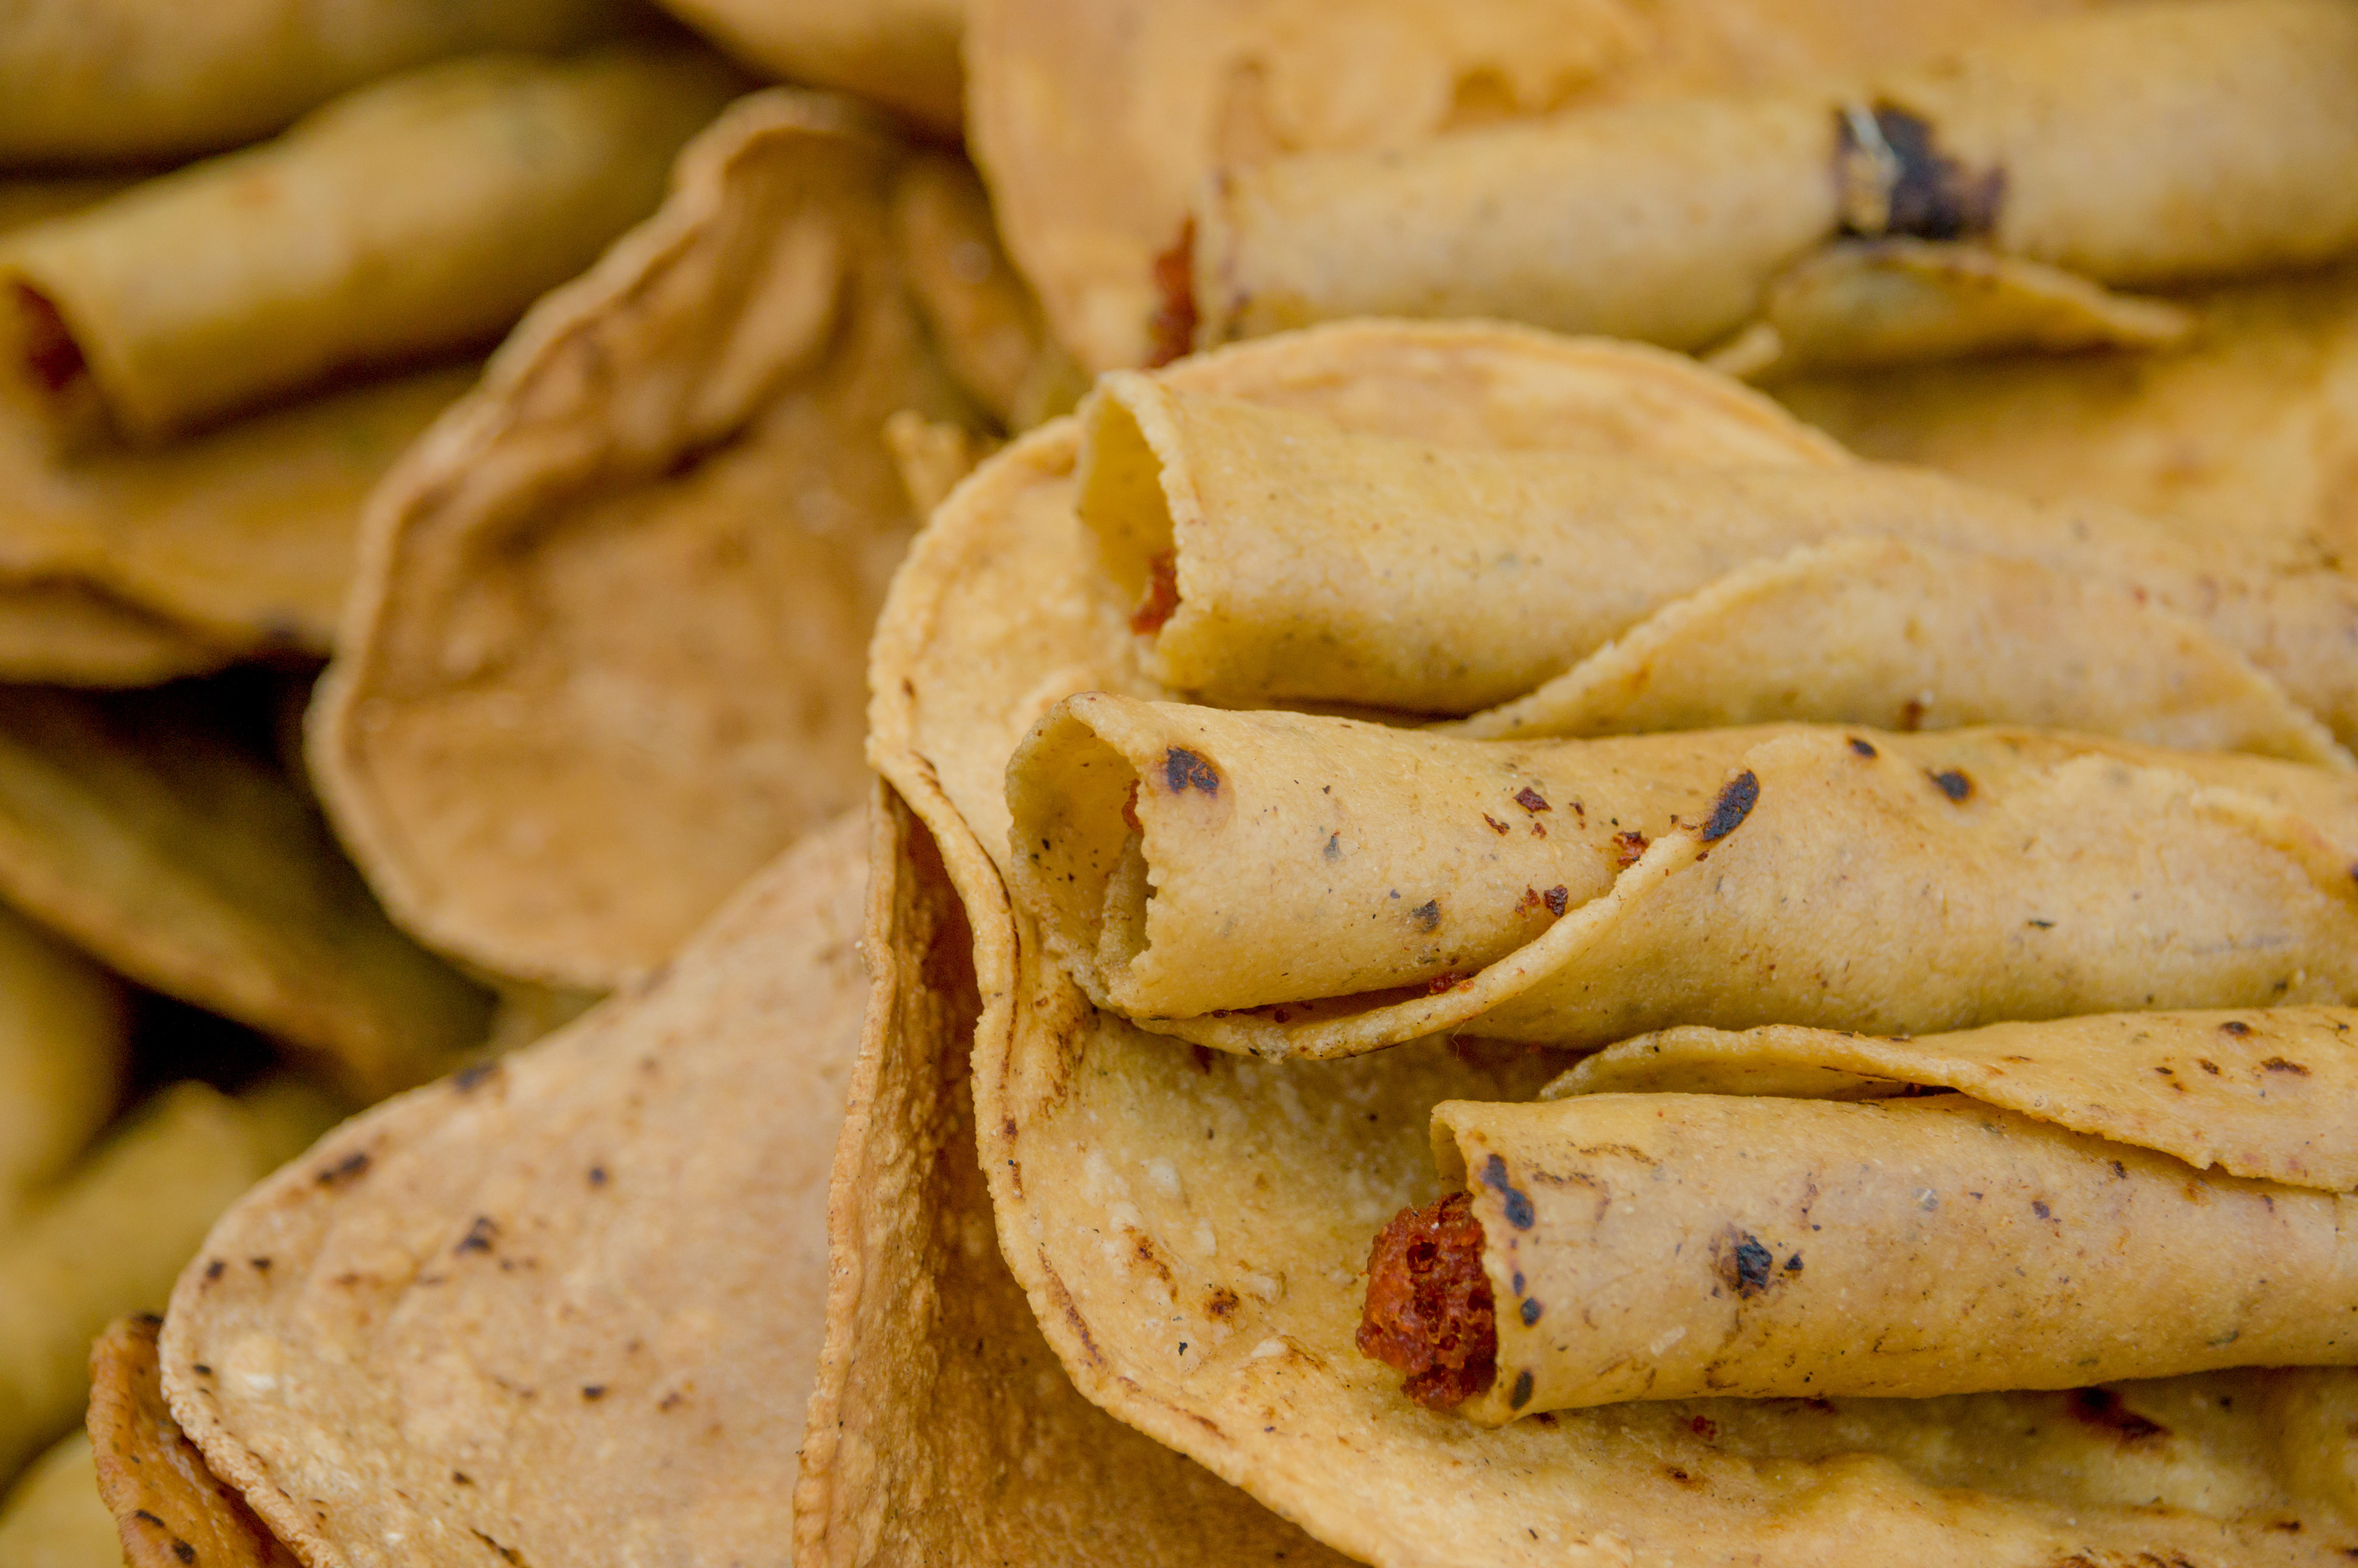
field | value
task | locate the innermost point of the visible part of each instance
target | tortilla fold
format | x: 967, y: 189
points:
x: 1275, y: 555
x: 1668, y: 1246
x: 1671, y: 222
x: 115, y: 81
x: 419, y: 217
x: 904, y: 53
x: 1300, y: 885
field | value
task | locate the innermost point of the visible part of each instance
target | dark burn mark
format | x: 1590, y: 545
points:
x: 1952, y: 784
x: 2278, y: 1064
x: 1862, y: 748
x: 2038, y: 1206
x: 593, y: 1392
x: 183, y: 1551
x: 350, y: 1168
x: 508, y: 1552
x: 1557, y: 898
x: 1427, y: 915
x: 1532, y: 1310
x: 1627, y: 848
x: 145, y: 1518
x: 2120, y: 1172
x: 259, y: 1265
x: 214, y: 1268
x: 1183, y: 770
x: 1747, y: 1267
x: 1334, y: 846
x: 1172, y: 330
x: 479, y: 1236
x: 2207, y: 1065
x: 1203, y: 1058
x: 1895, y: 181
x: 597, y: 1175
x: 1519, y: 1213
x: 2236, y: 1026
x: 1679, y: 1474
x: 2103, y: 1408
x: 1162, y: 601
x: 468, y: 1079
x: 1221, y: 1303
x: 1496, y: 826
x: 1734, y: 804
x: 1793, y: 1264
x: 201, y: 1370
x: 1522, y: 1394
x: 1530, y: 799
x: 52, y: 357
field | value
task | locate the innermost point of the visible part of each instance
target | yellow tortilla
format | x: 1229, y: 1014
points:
x: 1278, y: 555
x: 2249, y: 430
x: 111, y: 1238
x: 416, y: 218
x: 1150, y: 1196
x: 2087, y: 145
x: 604, y: 656
x: 152, y: 1485
x: 109, y: 82
x: 64, y: 1057
x: 903, y: 53
x: 2253, y: 1093
x: 982, y: 317
x: 1094, y: 121
x: 52, y: 1517
x: 188, y: 865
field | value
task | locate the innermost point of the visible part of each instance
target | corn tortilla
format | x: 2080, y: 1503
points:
x: 902, y: 53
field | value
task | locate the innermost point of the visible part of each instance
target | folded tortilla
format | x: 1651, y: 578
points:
x: 1285, y: 884
x: 1667, y: 1246
x: 115, y: 81
x: 1096, y: 120
x: 2249, y: 430
x: 904, y: 53
x: 2088, y: 145
x: 1275, y: 555
x: 65, y: 1048
x: 604, y: 658
x: 1192, y: 1226
x: 418, y: 217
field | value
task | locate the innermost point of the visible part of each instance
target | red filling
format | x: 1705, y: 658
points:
x: 52, y: 356
x: 1162, y: 599
x: 1429, y: 1311
x: 1172, y: 329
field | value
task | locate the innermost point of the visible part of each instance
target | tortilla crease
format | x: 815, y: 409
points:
x: 111, y: 1238
x: 191, y: 867
x: 2250, y: 428
x: 164, y: 1503
x: 1095, y: 120
x: 1672, y: 221
x: 116, y: 81
x: 1132, y: 1177
x: 52, y: 1517
x: 604, y: 656
x: 903, y: 53
x: 414, y: 218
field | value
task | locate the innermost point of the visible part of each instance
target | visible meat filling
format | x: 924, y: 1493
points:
x: 1173, y: 329
x: 1429, y: 1311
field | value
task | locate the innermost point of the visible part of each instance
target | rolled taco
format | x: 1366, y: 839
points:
x: 1671, y: 222
x: 1669, y: 1246
x: 1274, y: 554
x: 1286, y: 884
x: 419, y: 216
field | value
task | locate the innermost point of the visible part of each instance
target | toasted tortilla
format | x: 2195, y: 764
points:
x: 153, y: 1485
x: 904, y: 53
x: 1672, y: 221
x: 113, y: 81
x: 1095, y: 123
x: 1239, y: 1195
x: 65, y: 1055
x: 2250, y: 428
x: 414, y: 218
x: 52, y: 1517
x: 191, y: 866
x: 604, y: 656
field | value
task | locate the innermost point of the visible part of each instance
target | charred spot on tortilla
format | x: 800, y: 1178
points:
x: 1530, y: 799
x: 1430, y: 1311
x: 1427, y: 915
x: 1952, y: 784
x: 1747, y: 1267
x: 350, y: 1168
x: 2236, y: 1026
x: 1519, y: 1213
x: 1162, y: 601
x: 479, y: 1236
x: 1734, y: 804
x: 1183, y: 770
x: 2279, y: 1065
x: 1559, y: 897
x: 1894, y: 182
x: 1628, y: 848
x: 1863, y: 748
x: 1172, y: 330
x: 52, y: 358
x: 2103, y: 1407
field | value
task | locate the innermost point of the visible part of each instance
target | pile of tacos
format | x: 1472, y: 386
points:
x: 1001, y: 781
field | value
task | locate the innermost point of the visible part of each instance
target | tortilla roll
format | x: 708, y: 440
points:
x: 418, y: 216
x: 65, y: 1047
x: 52, y: 1517
x: 900, y: 52
x: 1274, y: 556
x: 2257, y: 1093
x: 1670, y: 220
x: 1355, y: 885
x: 1685, y: 1246
x: 113, y: 1238
x: 116, y: 82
